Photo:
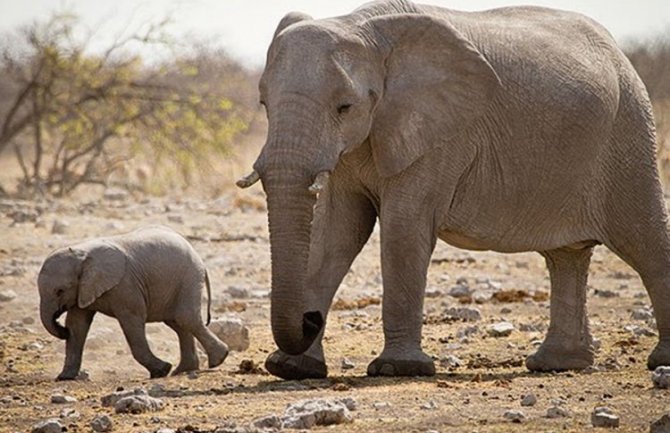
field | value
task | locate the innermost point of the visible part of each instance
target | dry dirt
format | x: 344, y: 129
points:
x: 230, y: 234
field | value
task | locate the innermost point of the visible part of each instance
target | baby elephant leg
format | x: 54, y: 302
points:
x: 134, y: 330
x: 217, y: 350
x: 78, y: 323
x: 188, y: 357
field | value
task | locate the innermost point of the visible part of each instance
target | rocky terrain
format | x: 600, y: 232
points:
x: 484, y: 313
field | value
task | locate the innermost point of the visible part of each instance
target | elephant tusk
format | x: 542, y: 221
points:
x: 320, y: 182
x: 248, y: 180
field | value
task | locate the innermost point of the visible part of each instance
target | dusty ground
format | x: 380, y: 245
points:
x: 230, y: 234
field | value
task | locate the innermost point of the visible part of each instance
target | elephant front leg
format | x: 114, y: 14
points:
x: 406, y: 250
x: 343, y: 222
x: 568, y: 344
x: 78, y: 322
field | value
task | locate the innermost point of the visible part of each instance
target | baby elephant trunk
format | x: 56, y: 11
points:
x: 49, y: 313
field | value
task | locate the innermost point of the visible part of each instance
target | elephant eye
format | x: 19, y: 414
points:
x: 60, y: 292
x: 343, y: 108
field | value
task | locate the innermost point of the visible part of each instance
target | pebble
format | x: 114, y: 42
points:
x: 433, y: 292
x: 111, y: 399
x: 7, y: 295
x: 429, y: 405
x: 378, y: 405
x: 306, y: 414
x: 237, y: 292
x: 604, y: 417
x: 604, y: 293
x: 51, y: 425
x: 644, y: 313
x: 232, y: 331
x: 28, y: 320
x: 661, y: 377
x: 60, y: 227
x: 639, y: 331
x: 500, y: 329
x: 557, y: 412
x: 529, y: 400
x: 267, y: 422
x: 451, y: 361
x: 347, y: 364
x: 467, y: 331
x: 69, y: 412
x: 138, y: 404
x: 661, y: 425
x: 460, y: 290
x: 62, y: 399
x: 102, y: 423
x: 467, y: 314
x: 115, y: 194
x: 516, y: 416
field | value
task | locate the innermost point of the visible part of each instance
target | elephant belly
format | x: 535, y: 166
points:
x: 465, y: 242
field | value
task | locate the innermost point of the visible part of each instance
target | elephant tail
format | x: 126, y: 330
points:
x: 209, y: 299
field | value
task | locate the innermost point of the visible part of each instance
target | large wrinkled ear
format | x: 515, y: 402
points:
x: 103, y: 267
x: 289, y: 19
x: 436, y: 84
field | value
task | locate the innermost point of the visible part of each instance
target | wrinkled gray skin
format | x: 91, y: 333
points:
x: 149, y: 275
x: 514, y: 129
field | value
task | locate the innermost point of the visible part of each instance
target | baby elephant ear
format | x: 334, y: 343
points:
x: 103, y: 267
x: 289, y: 19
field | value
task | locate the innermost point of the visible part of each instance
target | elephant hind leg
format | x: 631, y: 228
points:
x: 188, y: 358
x: 567, y: 345
x: 134, y: 330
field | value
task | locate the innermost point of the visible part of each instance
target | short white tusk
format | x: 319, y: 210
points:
x: 320, y: 182
x: 248, y: 180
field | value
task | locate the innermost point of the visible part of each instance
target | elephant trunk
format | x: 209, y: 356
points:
x: 290, y: 212
x: 49, y: 313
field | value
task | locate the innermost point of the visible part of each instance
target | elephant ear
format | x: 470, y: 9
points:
x: 436, y: 84
x: 290, y: 19
x: 103, y: 267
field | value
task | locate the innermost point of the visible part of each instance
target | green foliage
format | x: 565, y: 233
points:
x: 81, y: 114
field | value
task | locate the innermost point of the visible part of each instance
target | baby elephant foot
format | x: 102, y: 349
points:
x: 405, y: 364
x: 659, y: 356
x: 185, y: 368
x: 296, y: 367
x: 67, y: 375
x: 161, y: 371
x: 553, y: 357
x: 217, y: 356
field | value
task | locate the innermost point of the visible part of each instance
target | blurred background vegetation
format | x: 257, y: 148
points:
x: 71, y: 117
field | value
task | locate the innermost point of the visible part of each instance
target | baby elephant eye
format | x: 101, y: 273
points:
x: 343, y: 108
x: 60, y: 292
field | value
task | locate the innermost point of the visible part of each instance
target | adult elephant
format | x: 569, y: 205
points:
x: 514, y: 129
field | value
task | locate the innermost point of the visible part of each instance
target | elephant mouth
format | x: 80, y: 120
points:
x: 62, y: 331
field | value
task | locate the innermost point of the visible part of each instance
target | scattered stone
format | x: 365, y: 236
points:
x: 169, y: 430
x: 661, y: 425
x: 429, y: 405
x: 432, y: 292
x: 451, y: 361
x: 500, y: 329
x: 267, y: 422
x: 529, y: 400
x: 604, y: 293
x: 138, y: 404
x: 557, y: 412
x: 460, y: 290
x: 349, y: 402
x: 306, y: 414
x: 7, y: 295
x: 60, y: 227
x: 69, y: 412
x: 232, y: 331
x: 35, y: 346
x: 468, y: 331
x: 378, y: 405
x: 237, y: 292
x: 466, y: 314
x: 644, y: 313
x: 347, y: 364
x: 661, y: 377
x: 639, y: 331
x: 516, y: 416
x: 115, y: 194
x: 51, y: 425
x: 505, y: 310
x: 62, y: 399
x: 176, y: 219
x: 111, y: 399
x: 604, y: 417
x: 83, y: 376
x: 101, y: 423
x: 28, y: 320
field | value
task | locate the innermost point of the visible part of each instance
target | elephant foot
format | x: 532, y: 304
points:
x: 217, y: 357
x: 296, y: 367
x: 67, y: 375
x: 185, y: 368
x: 162, y: 371
x: 413, y: 364
x: 557, y: 357
x: 659, y: 356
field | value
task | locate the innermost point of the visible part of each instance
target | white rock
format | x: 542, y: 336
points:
x: 102, y: 423
x: 267, y: 422
x: 62, y: 399
x: 138, y: 404
x: 306, y: 414
x: 514, y: 415
x: 347, y: 364
x: 451, y: 361
x: 529, y: 400
x: 69, y: 412
x: 661, y: 377
x: 604, y: 417
x: 232, y: 331
x: 557, y: 412
x: 111, y: 399
x: 429, y: 405
x: 661, y: 425
x: 644, y: 313
x: 51, y: 425
x: 381, y: 405
x: 500, y: 329
x: 467, y: 314
x: 7, y: 295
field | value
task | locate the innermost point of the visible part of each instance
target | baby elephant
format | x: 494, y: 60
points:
x: 150, y: 275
